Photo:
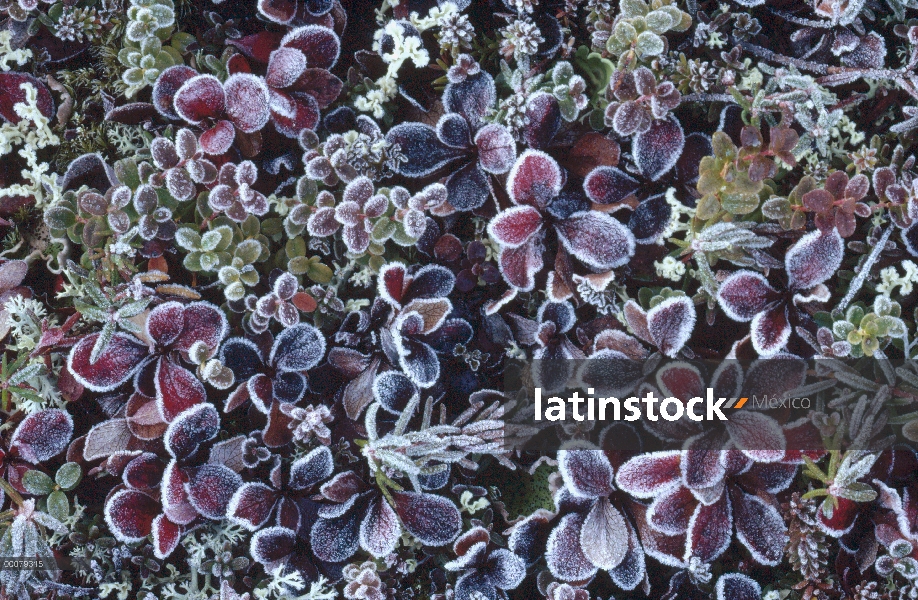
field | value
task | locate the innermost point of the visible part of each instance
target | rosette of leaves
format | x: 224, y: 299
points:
x: 724, y: 182
x: 14, y: 377
x: 250, y: 247
x: 114, y: 314
x: 638, y: 32
x: 144, y: 62
x: 868, y: 332
x: 91, y: 219
x: 55, y: 489
x: 207, y: 252
x: 569, y: 89
x: 842, y: 488
x: 788, y: 210
x: 294, y: 259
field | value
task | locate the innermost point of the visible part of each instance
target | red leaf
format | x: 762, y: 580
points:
x: 199, y: 98
x: 120, y: 359
x: 710, y: 530
x: 130, y: 515
x: 515, y: 226
x: 211, y: 488
x: 534, y: 180
x: 657, y: 149
x: 218, y: 139
x: 745, y: 294
x: 258, y: 46
x: 11, y: 94
x: 43, y: 435
x: 166, y: 86
x: 596, y: 239
x: 319, y: 44
x: 251, y: 505
x: 166, y: 536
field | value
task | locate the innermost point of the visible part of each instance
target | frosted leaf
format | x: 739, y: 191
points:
x: 279, y: 11
x: 166, y: 86
x: 106, y: 438
x: 166, y: 536
x: 393, y: 390
x: 564, y: 553
x: 336, y: 539
x: 596, y: 239
x: 144, y: 472
x: 424, y: 151
x: 173, y: 496
x: 468, y: 188
x: 129, y: 515
x: 671, y: 323
x: 432, y: 519
x: 745, y: 294
x: 203, y: 322
x: 496, y: 148
x: 320, y: 85
x: 472, y: 98
x: 453, y: 130
x: 251, y: 505
x: 513, y: 227
x: 657, y: 149
x: 761, y: 529
x: 650, y: 220
x: 647, y: 475
x: 285, y: 67
x: 211, y: 488
x: 298, y: 348
x: 604, y: 535
x: 630, y: 571
x: 218, y: 139
x: 272, y: 544
x: 418, y: 360
x: 757, y: 435
x: 520, y: 265
x: 90, y: 170
x: 842, y: 519
x: 179, y: 183
x: 534, y: 180
x: 122, y: 356
x: 199, y: 98
x: 870, y: 53
x: 543, y: 120
x: 701, y: 467
x: 177, y: 388
x: 163, y: 153
x: 814, y: 259
x: 430, y: 281
x: 736, y: 586
x: 392, y: 279
x: 710, y: 530
x: 671, y: 510
x: 319, y: 44
x: 323, y: 223
x: 247, y: 102
x: 380, y: 529
x: 12, y: 94
x: 770, y: 330
x: 190, y: 429
x: 609, y: 185
x: 43, y: 435
x: 587, y: 473
x: 311, y: 469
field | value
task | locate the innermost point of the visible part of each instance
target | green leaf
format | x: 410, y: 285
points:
x: 210, y: 240
x: 37, y: 483
x: 105, y: 336
x: 649, y: 44
x: 58, y: 505
x: 298, y: 265
x: 69, y: 475
x: 319, y: 273
x: 188, y: 238
x: 383, y: 230
x: 248, y: 251
x: 60, y: 218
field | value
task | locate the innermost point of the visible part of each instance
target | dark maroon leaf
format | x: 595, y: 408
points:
x: 657, y: 149
x: 43, y: 435
x: 11, y: 93
x: 211, y: 488
x: 543, y: 115
x: 432, y: 519
x: 192, y: 428
x: 120, y: 359
x: 471, y: 98
x: 650, y: 220
x: 609, y: 185
x: 423, y: 149
x: 319, y: 44
x: 130, y: 515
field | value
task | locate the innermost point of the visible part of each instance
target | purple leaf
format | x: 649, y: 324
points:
x: 760, y: 528
x: 596, y: 239
x: 757, y: 435
x: 320, y: 45
x: 177, y: 388
x: 468, y: 188
x: 736, y: 586
x: 380, y: 529
x: 710, y: 530
x: 272, y: 544
x: 563, y: 552
x: 471, y: 98
x: 671, y: 511
x: 120, y: 359
x: 515, y: 226
x: 298, y: 348
x: 543, y: 120
x: 424, y: 151
x: 336, y: 539
x: 496, y: 148
x: 657, y: 149
x: 770, y: 330
x: 650, y: 220
x: 199, y: 98
x: 190, y: 429
x: 670, y: 323
x: 609, y: 185
x: 144, y: 472
x: 211, y: 488
x: 247, y: 101
x: 311, y: 469
x: 43, y: 435
x: 251, y: 505
x: 534, y: 180
x: 813, y: 259
x: 430, y: 281
x: 520, y: 265
x: 394, y: 390
x: 647, y: 475
x: 129, y: 515
x: 453, y: 130
x: 586, y: 473
x: 166, y: 536
x: 745, y: 294
x: 432, y: 519
x: 167, y: 85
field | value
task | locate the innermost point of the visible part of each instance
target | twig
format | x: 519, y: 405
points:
x: 858, y: 281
